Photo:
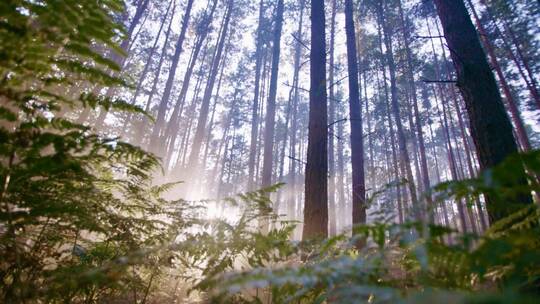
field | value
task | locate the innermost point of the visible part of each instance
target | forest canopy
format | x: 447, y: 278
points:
x: 286, y: 151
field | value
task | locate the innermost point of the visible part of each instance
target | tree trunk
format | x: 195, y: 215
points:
x: 120, y: 58
x: 316, y: 185
x: 402, y: 144
x: 173, y: 127
x: 521, y: 56
x: 464, y: 135
x: 355, y: 111
x: 255, y: 106
x: 203, y: 114
x: 155, y: 139
x: 291, y: 197
x: 510, y: 101
x: 216, y: 99
x: 490, y: 126
x: 270, y: 120
x: 533, y: 90
x: 192, y: 108
x: 331, y: 119
x: 395, y: 161
x: 141, y: 8
x: 140, y: 130
x: 418, y: 120
x: 371, y: 172
x: 445, y: 126
x: 149, y: 62
x: 340, y: 172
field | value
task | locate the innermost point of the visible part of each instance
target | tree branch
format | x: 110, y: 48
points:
x: 296, y: 159
x: 428, y: 37
x: 438, y: 81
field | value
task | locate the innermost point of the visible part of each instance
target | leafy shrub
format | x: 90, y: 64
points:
x: 411, y: 263
x: 72, y: 202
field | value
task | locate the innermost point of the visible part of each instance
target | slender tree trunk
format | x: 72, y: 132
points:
x: 395, y: 161
x: 332, y: 116
x: 137, y: 34
x: 340, y: 172
x: 141, y: 8
x: 401, y: 201
x: 402, y: 144
x: 226, y: 128
x: 469, y: 159
x: 316, y: 185
x: 437, y: 170
x: 510, y: 101
x: 203, y: 114
x: 355, y: 111
x: 192, y: 109
x: 371, y: 135
x: 155, y: 139
x: 418, y: 119
x: 120, y: 58
x: 530, y: 86
x: 291, y: 197
x: 284, y: 137
x: 520, y: 54
x: 214, y: 105
x: 262, y: 111
x: 173, y: 127
x: 149, y: 62
x: 270, y: 120
x: 219, y: 193
x: 533, y: 90
x: 255, y: 106
x: 490, y: 127
x: 208, y: 136
x: 140, y: 130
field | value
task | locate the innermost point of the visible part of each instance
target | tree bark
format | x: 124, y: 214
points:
x: 490, y: 126
x: 418, y: 120
x: 510, y: 101
x: 291, y: 197
x: 155, y: 139
x: 120, y: 58
x: 203, y: 114
x: 395, y: 161
x: 149, y: 62
x: 355, y: 112
x: 141, y: 8
x: 316, y: 180
x: 140, y: 130
x: 173, y: 128
x: 255, y: 106
x: 331, y: 118
x: 270, y: 119
x: 402, y: 143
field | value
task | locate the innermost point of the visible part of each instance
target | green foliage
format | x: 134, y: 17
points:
x: 221, y: 246
x: 72, y: 203
x: 504, y: 185
x: 410, y: 263
x: 51, y: 49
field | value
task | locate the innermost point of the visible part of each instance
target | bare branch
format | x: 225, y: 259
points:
x: 296, y: 159
x: 300, y: 41
x: 428, y: 37
x: 438, y: 81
